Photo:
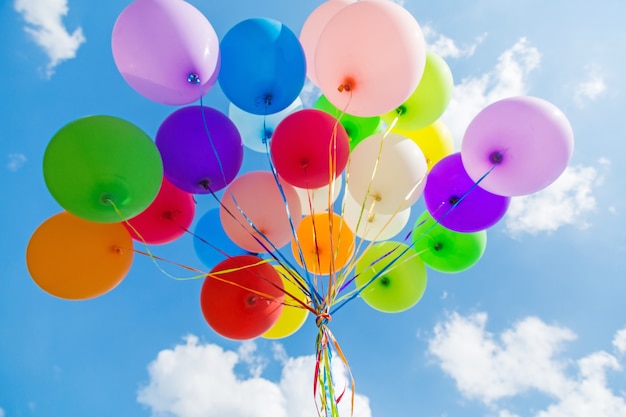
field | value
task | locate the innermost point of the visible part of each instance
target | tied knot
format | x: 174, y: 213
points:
x: 322, y: 319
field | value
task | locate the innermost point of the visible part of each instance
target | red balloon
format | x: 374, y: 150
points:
x: 242, y: 298
x: 308, y: 146
x: 166, y: 219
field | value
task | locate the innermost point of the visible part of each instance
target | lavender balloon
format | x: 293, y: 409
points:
x: 166, y: 50
x: 201, y: 149
x: 455, y: 201
x: 525, y: 143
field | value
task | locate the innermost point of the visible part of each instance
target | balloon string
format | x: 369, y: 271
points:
x: 154, y: 258
x: 294, y: 235
x: 208, y: 134
x: 409, y: 247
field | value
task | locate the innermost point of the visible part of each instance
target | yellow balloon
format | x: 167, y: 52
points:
x: 293, y: 315
x: 435, y: 141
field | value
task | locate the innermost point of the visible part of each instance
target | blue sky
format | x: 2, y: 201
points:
x: 536, y: 329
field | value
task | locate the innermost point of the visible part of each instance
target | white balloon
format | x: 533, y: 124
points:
x: 373, y: 226
x: 388, y: 173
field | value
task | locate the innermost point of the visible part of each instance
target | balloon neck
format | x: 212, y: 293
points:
x: 267, y: 135
x: 117, y: 250
x: 496, y: 157
x: 171, y: 214
x: 205, y: 183
x: 251, y: 300
x: 384, y: 281
x: 107, y: 199
x: 453, y: 200
x: 400, y: 111
x: 438, y: 246
x: 193, y: 78
x: 347, y: 86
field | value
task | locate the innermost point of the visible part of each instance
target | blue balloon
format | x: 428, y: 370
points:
x: 262, y: 66
x: 210, y: 242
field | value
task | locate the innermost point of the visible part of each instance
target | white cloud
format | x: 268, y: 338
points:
x: 507, y: 79
x: 591, y: 88
x: 16, y: 160
x: 620, y: 341
x: 566, y: 201
x: 488, y: 369
x: 446, y: 47
x: 526, y: 357
x: 2, y: 412
x: 45, y: 26
x: 196, y: 379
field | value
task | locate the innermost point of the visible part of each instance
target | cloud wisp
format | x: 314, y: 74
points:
x: 16, y: 161
x: 507, y: 79
x: 44, y: 24
x: 567, y: 201
x: 196, y: 379
x: 526, y: 357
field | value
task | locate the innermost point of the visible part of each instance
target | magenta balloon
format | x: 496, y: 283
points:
x: 201, y: 149
x: 166, y: 50
x: 376, y: 51
x: 476, y: 209
x: 526, y: 140
x: 307, y: 146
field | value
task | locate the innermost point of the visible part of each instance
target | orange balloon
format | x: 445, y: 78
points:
x: 76, y: 259
x: 326, y: 241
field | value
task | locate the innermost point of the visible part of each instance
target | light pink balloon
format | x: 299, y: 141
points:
x: 374, y: 47
x: 158, y: 44
x: 522, y: 145
x: 313, y: 26
x: 257, y: 195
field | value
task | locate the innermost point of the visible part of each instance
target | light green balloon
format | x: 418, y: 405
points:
x: 357, y: 128
x: 95, y: 161
x: 401, y: 283
x: 445, y: 250
x: 429, y: 100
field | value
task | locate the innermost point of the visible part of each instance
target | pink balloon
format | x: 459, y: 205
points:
x: 527, y: 141
x: 257, y: 196
x: 370, y: 57
x: 166, y: 50
x: 313, y: 26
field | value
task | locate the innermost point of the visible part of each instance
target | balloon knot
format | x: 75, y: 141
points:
x: 401, y: 110
x: 322, y: 319
x: 496, y: 157
x: 344, y: 87
x: 117, y: 250
x: 171, y: 214
x: 193, y: 78
x: 205, y: 183
x: 453, y: 200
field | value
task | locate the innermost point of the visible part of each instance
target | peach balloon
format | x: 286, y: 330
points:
x: 254, y: 199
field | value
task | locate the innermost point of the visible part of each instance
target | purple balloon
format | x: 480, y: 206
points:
x: 524, y: 143
x: 166, y: 50
x: 454, y: 199
x: 201, y: 148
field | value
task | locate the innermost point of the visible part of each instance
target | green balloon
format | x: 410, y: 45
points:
x: 400, y: 283
x: 446, y: 250
x: 357, y: 128
x: 429, y: 100
x: 96, y: 164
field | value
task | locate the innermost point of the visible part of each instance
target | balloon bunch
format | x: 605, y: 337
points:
x: 315, y: 230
